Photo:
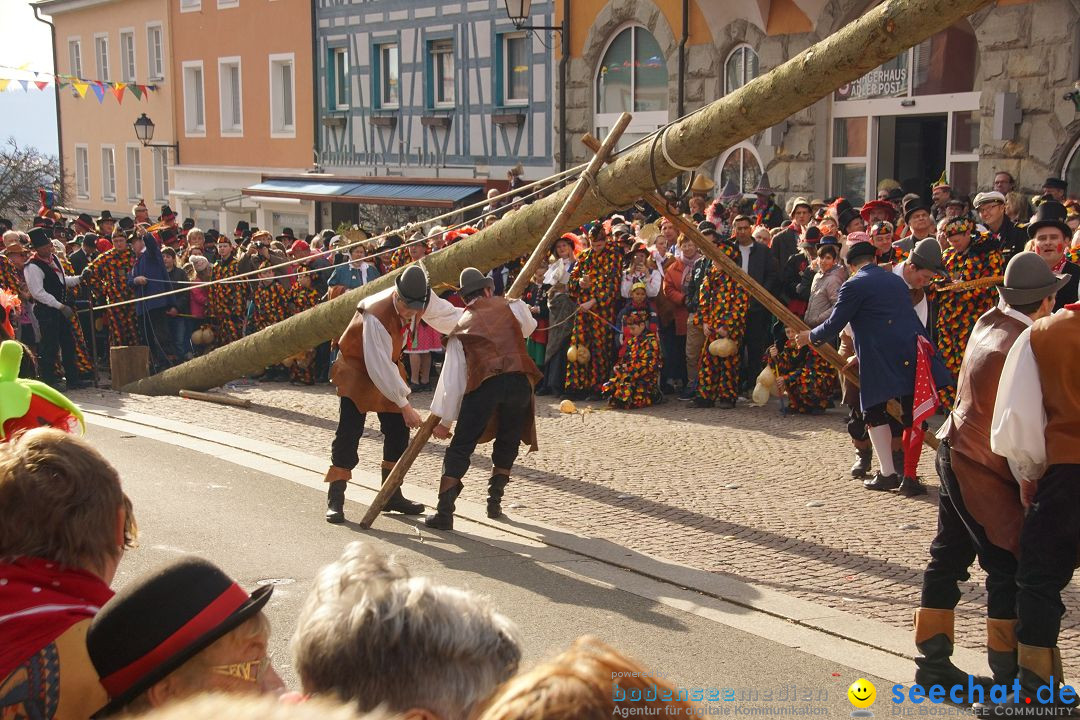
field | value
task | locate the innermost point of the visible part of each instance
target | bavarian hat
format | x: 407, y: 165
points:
x: 159, y: 622
x: 926, y: 255
x: 1028, y: 279
x: 472, y: 280
x: 412, y: 287
x: 84, y: 221
x: 1050, y: 213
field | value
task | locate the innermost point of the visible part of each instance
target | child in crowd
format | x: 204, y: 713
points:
x: 302, y: 296
x: 639, y: 302
x: 635, y: 380
x: 825, y: 286
x: 805, y: 380
x: 536, y: 299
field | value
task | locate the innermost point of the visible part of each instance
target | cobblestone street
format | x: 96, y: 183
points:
x: 748, y: 492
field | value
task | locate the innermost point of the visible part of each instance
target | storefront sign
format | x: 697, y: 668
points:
x: 880, y: 82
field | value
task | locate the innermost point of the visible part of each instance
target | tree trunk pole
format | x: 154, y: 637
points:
x: 877, y: 36
x: 581, y: 187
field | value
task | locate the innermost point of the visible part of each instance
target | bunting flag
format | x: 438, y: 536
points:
x: 81, y: 88
x: 136, y: 91
x: 3, y: 84
x: 25, y: 84
x: 14, y: 77
x: 99, y: 91
x: 118, y: 91
x: 41, y: 84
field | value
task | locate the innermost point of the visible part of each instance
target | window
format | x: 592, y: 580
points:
x: 232, y: 106
x: 632, y: 77
x: 161, y: 175
x: 127, y: 56
x: 442, y: 73
x: 194, y: 101
x: 190, y: 5
x: 156, y: 67
x: 222, y: 4
x: 101, y: 54
x: 386, y: 70
x: 282, y: 100
x: 75, y: 57
x: 339, y: 79
x: 82, y: 171
x: 134, y: 173
x: 514, y: 69
x: 742, y: 165
x: 108, y: 173
x: 740, y: 68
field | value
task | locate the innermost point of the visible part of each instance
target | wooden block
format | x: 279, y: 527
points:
x: 129, y: 363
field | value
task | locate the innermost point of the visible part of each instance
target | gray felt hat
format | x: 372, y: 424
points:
x: 472, y: 280
x: 927, y: 256
x: 412, y: 287
x: 1028, y: 279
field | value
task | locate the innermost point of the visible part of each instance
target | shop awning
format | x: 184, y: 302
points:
x: 377, y: 192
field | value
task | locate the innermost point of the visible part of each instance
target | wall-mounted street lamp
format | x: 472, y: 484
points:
x: 519, y: 11
x: 144, y: 131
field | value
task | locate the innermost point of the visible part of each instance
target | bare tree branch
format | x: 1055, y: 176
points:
x: 22, y: 171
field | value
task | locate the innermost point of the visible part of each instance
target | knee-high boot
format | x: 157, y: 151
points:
x: 335, y: 494
x: 496, y: 485
x: 1001, y: 649
x: 398, y: 502
x: 934, y: 639
x: 443, y: 519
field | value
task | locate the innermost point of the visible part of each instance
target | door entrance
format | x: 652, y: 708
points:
x: 912, y: 150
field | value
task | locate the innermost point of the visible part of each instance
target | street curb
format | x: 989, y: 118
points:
x: 309, y: 470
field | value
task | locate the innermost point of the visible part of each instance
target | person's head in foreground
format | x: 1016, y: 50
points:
x: 223, y: 706
x: 372, y: 635
x: 185, y: 629
x: 590, y: 681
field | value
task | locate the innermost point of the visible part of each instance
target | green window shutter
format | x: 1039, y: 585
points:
x: 429, y: 76
x: 331, y: 95
x: 500, y: 80
x: 376, y: 76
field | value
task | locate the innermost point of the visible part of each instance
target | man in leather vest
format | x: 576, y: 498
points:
x: 487, y: 386
x: 48, y: 285
x: 979, y: 510
x: 1035, y: 427
x: 370, y: 377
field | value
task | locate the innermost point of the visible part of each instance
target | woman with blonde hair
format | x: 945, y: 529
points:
x: 590, y: 681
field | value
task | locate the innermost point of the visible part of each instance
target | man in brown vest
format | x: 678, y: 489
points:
x: 979, y: 509
x: 487, y: 386
x: 370, y: 377
x: 1036, y: 426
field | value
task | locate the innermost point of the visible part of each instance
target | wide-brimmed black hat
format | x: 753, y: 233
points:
x: 85, y: 222
x: 1028, y: 279
x: 1056, y: 183
x: 106, y: 216
x: 159, y: 622
x: 1051, y: 213
x: 861, y: 249
x: 167, y: 213
x: 412, y: 287
x: 926, y: 255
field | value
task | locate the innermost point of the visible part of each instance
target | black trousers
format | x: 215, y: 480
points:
x: 555, y: 370
x: 155, y: 332
x: 879, y: 415
x: 56, y: 338
x: 344, y: 449
x: 510, y: 396
x: 674, y: 349
x: 1048, y: 551
x: 959, y: 541
x: 756, y: 342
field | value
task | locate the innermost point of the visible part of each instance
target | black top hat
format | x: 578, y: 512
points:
x: 845, y: 214
x: 1050, y: 213
x: 287, y: 232
x: 106, y: 216
x: 1028, y: 279
x: 188, y: 224
x: 157, y: 623
x: 40, y: 221
x: 861, y: 249
x: 39, y: 237
x: 126, y: 223
x: 1056, y: 183
x: 166, y: 213
x: 241, y: 228
x: 912, y: 205
x: 812, y: 236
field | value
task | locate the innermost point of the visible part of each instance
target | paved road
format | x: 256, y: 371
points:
x: 741, y: 493
x: 261, y: 527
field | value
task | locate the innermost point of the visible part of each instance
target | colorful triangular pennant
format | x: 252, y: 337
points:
x: 99, y: 91
x: 3, y: 84
x: 25, y: 84
x: 134, y: 90
x: 80, y: 87
x: 41, y: 84
x: 118, y: 91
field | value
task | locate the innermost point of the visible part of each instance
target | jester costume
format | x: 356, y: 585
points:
x: 723, y: 304
x: 635, y: 378
x: 27, y: 404
x: 82, y: 356
x: 107, y: 278
x: 809, y: 381
x: 10, y: 279
x: 301, y: 370
x: 591, y: 328
x: 957, y: 311
x: 1073, y: 255
x: 399, y: 258
x: 226, y: 300
x: 271, y: 304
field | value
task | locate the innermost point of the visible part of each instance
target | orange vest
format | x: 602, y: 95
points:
x: 350, y: 374
x: 1055, y: 342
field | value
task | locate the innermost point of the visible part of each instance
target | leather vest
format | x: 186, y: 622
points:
x: 350, y: 374
x: 51, y: 283
x: 1055, y: 342
x: 976, y: 389
x: 490, y: 335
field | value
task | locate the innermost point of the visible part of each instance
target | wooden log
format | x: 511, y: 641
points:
x: 219, y: 399
x: 603, y: 150
x: 129, y: 364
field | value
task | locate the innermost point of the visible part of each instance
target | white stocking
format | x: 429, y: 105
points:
x: 881, y: 439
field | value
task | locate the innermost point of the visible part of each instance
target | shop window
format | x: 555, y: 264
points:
x: 741, y: 164
x: 965, y: 137
x: 849, y: 137
x: 740, y: 68
x: 849, y: 181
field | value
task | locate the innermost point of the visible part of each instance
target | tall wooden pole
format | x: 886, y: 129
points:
x: 581, y: 187
x: 876, y: 37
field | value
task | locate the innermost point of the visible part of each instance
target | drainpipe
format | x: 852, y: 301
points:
x: 564, y: 61
x: 315, y: 118
x: 682, y: 56
x: 56, y: 92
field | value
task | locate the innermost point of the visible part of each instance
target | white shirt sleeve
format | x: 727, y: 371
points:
x: 378, y: 349
x: 452, y: 381
x: 441, y: 315
x: 656, y: 279
x: 524, y: 316
x: 626, y: 284
x: 35, y: 283
x: 1019, y: 426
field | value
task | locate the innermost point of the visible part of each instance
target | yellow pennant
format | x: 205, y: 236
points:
x: 81, y: 88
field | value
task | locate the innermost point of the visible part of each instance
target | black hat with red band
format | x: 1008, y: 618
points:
x: 156, y: 624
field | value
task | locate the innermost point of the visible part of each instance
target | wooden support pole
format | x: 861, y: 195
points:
x: 757, y: 291
x: 221, y: 399
x: 581, y: 187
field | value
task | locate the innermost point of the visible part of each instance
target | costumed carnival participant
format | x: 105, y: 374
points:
x: 107, y: 278
x: 635, y: 379
x: 561, y: 310
x: 971, y: 255
x: 487, y: 387
x: 594, y: 285
x: 303, y: 297
x: 979, y: 508
x: 1035, y: 427
x: 370, y: 377
x: 226, y: 301
x: 49, y: 287
x: 889, y: 350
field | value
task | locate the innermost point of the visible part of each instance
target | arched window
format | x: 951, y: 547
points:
x: 1071, y: 173
x: 741, y: 164
x: 740, y: 68
x: 632, y: 77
